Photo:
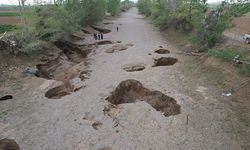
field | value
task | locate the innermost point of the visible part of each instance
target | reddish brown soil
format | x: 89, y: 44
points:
x: 241, y: 25
x: 10, y: 20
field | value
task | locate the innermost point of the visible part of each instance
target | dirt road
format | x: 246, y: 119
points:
x: 78, y: 121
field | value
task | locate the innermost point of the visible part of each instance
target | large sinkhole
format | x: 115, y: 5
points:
x: 162, y: 51
x: 165, y: 61
x: 130, y: 91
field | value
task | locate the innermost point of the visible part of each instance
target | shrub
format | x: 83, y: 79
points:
x: 226, y: 54
x: 245, y: 69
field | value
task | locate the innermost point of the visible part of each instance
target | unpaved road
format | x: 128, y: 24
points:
x: 39, y: 123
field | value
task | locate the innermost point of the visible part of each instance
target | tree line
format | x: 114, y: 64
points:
x: 194, y: 16
x: 44, y: 23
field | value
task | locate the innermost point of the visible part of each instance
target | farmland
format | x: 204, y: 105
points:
x: 9, y: 18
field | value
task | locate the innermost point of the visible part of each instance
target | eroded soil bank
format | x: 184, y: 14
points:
x: 150, y: 108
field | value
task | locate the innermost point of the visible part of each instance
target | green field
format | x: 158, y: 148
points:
x: 9, y: 13
x: 6, y: 27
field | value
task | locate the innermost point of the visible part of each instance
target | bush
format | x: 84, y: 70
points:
x: 245, y: 69
x: 35, y: 46
x: 226, y: 54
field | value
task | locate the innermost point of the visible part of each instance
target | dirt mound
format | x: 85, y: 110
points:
x: 118, y: 47
x: 134, y: 67
x: 165, y: 61
x: 130, y: 91
x: 162, y: 51
x: 9, y: 144
x: 102, y: 30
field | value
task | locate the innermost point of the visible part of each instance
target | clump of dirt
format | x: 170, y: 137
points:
x: 118, y: 47
x: 97, y: 125
x: 165, y: 61
x: 130, y: 91
x: 162, y: 51
x: 112, y: 110
x: 9, y: 144
x: 7, y: 97
x: 102, y: 30
x: 84, y: 75
x: 134, y: 67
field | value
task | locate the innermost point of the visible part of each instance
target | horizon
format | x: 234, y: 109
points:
x: 15, y: 2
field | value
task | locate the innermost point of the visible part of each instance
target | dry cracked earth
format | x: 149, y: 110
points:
x: 126, y: 92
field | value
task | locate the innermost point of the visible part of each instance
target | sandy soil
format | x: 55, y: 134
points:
x: 77, y: 121
x: 241, y: 26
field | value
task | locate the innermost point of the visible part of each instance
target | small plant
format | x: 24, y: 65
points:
x: 227, y: 54
x: 245, y: 69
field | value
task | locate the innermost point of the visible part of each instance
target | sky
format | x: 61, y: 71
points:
x: 15, y: 2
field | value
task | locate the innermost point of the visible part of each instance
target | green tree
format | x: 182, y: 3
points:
x: 113, y: 6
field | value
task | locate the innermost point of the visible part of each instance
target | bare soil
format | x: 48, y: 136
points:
x: 10, y: 19
x: 240, y: 27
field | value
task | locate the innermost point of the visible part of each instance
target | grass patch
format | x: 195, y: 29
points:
x: 9, y: 14
x: 226, y: 54
x: 245, y: 69
x: 6, y: 28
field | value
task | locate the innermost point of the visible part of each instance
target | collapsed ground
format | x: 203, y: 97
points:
x: 124, y: 90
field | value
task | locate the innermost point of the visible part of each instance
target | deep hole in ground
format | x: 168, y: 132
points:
x: 102, y: 30
x: 130, y: 91
x: 7, y: 97
x: 65, y: 67
x: 118, y: 47
x: 134, y: 67
x: 104, y: 42
x: 162, y: 51
x: 8, y: 144
x: 57, y: 92
x: 165, y: 61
